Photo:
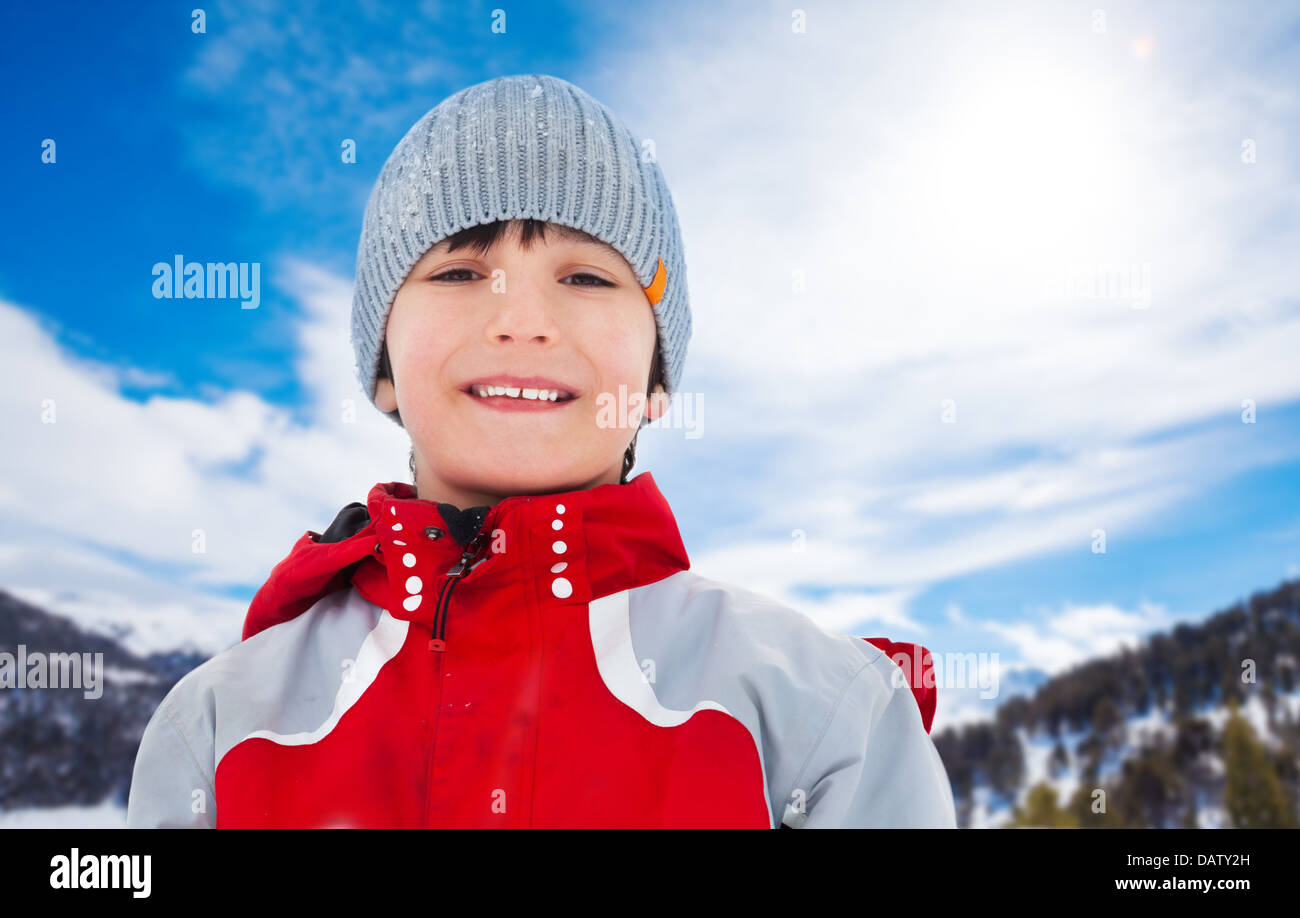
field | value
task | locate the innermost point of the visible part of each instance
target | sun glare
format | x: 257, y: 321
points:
x: 1029, y: 161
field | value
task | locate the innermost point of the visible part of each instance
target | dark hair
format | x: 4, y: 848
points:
x: 482, y: 237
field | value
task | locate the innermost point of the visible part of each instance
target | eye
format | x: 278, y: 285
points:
x: 599, y: 281
x: 447, y: 275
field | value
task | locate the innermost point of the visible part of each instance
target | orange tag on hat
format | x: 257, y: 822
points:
x: 655, y: 292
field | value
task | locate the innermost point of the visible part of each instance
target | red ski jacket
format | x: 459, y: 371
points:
x: 548, y: 661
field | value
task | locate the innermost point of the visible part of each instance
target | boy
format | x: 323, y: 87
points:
x: 516, y: 639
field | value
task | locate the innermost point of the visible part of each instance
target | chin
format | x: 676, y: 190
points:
x: 507, y: 481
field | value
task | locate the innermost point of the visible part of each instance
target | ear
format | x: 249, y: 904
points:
x: 385, y: 396
x: 657, y: 404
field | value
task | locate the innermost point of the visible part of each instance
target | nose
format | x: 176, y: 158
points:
x: 522, y: 315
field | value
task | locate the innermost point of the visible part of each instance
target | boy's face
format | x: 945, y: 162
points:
x: 568, y: 309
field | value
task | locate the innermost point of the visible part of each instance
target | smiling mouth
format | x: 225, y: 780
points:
x: 518, y: 393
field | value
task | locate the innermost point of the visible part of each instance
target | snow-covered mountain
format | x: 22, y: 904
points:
x: 1199, y: 727
x: 66, y: 753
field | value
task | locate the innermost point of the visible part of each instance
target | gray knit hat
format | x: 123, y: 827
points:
x: 511, y: 148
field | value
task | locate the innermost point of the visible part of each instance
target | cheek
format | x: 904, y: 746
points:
x: 621, y: 343
x: 420, y: 341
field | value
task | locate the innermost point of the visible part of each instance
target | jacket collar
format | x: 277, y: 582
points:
x: 398, y: 549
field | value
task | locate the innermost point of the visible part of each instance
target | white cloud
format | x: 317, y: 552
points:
x: 1078, y: 633
x: 932, y: 176
x: 116, y: 493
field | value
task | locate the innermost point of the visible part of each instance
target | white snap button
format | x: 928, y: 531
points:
x: 398, y: 542
x: 411, y: 603
x: 556, y: 568
x: 556, y: 524
x: 408, y: 559
x: 559, y: 547
x: 397, y: 527
x: 559, y: 508
x: 413, y: 584
x: 562, y: 588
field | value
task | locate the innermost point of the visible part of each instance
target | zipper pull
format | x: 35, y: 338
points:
x: 458, y: 570
x: 461, y: 567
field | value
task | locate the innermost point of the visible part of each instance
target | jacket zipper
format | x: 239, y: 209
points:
x: 458, y: 571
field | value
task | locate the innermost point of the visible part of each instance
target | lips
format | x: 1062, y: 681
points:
x: 567, y: 392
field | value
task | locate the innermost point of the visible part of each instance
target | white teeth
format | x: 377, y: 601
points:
x: 544, y: 395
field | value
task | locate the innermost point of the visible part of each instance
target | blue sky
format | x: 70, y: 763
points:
x: 925, y: 171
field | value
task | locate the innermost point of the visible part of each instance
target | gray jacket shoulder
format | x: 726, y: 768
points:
x: 279, y: 678
x: 841, y: 737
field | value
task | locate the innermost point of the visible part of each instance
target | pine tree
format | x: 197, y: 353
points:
x: 1040, y: 810
x: 1253, y: 796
